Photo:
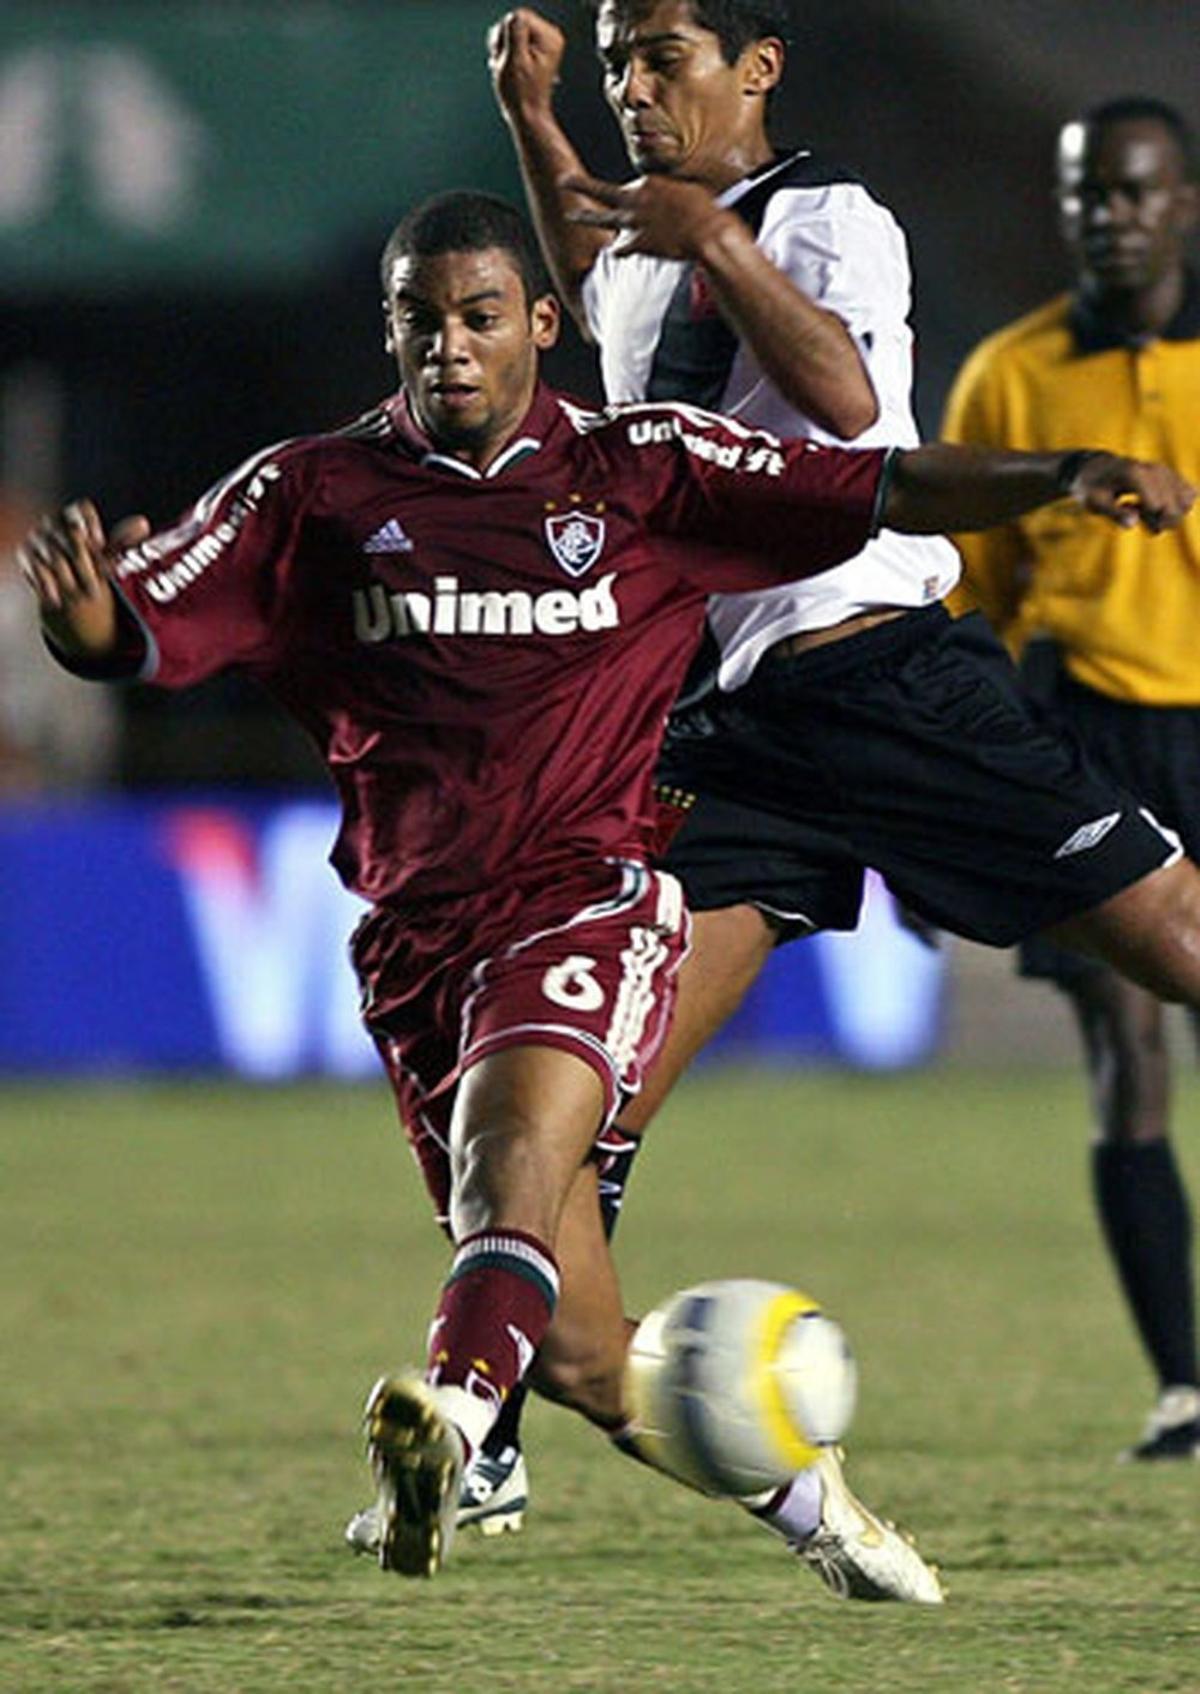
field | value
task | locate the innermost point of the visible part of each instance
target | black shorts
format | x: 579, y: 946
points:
x: 910, y: 748
x: 1154, y: 750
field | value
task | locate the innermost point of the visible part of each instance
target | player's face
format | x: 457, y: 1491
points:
x: 682, y: 109
x: 467, y: 341
x: 1125, y: 203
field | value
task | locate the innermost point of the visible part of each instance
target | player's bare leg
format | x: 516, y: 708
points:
x: 581, y: 1365
x: 1140, y: 1196
x: 581, y: 1362
x: 728, y: 950
x: 582, y: 1359
x: 1149, y: 932
x: 523, y: 1123
x: 1128, y: 1069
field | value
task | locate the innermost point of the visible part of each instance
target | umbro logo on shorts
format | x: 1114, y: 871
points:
x: 1087, y: 835
x: 389, y: 539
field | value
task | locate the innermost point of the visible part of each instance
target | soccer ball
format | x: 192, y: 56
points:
x: 735, y: 1386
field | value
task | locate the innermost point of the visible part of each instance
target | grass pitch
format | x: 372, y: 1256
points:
x: 199, y: 1284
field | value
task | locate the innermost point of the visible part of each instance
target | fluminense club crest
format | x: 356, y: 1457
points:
x: 576, y: 539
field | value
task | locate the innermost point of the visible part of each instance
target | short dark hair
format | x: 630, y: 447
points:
x: 735, y: 23
x: 1143, y: 108
x: 464, y: 221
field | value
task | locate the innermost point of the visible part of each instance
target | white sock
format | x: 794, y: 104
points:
x: 793, y: 1511
x: 471, y: 1416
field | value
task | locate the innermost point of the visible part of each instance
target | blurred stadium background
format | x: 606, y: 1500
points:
x: 192, y: 197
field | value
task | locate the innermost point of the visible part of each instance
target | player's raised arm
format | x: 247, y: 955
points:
x: 65, y: 560
x: 525, y: 53
x: 805, y: 350
x: 939, y: 487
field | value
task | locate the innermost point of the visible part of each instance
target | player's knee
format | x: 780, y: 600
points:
x: 1177, y: 932
x: 499, y: 1182
x: 1150, y: 932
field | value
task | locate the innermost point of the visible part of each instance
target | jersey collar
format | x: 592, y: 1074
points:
x: 534, y: 428
x: 781, y: 162
x: 1094, y: 334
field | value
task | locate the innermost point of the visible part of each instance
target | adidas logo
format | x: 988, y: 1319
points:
x: 390, y: 539
x: 1087, y: 835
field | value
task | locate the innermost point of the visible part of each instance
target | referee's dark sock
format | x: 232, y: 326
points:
x: 1147, y: 1223
x: 614, y: 1174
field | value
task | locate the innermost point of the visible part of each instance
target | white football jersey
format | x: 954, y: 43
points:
x: 661, y: 338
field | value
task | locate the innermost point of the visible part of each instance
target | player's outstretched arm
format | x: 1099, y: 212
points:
x: 805, y: 349
x: 64, y: 560
x: 525, y: 54
x: 939, y: 487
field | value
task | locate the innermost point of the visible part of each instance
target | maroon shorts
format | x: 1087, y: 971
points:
x: 588, y: 966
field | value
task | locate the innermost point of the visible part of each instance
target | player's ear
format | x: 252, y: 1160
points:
x: 1187, y: 211
x: 545, y: 317
x: 762, y: 65
x: 389, y: 340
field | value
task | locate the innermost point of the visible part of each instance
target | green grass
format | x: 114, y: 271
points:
x: 197, y: 1286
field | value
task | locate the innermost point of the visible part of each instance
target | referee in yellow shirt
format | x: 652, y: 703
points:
x: 1117, y: 361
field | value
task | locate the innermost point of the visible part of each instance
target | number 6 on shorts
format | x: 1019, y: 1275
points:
x: 572, y: 984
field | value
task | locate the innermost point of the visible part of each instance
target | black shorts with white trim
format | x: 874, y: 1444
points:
x: 1152, y: 749
x: 913, y: 749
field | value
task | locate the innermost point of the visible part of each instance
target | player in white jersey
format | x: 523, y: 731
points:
x: 774, y: 286
x: 833, y: 725
x: 659, y: 335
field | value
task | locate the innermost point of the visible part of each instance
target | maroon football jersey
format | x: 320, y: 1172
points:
x: 486, y: 661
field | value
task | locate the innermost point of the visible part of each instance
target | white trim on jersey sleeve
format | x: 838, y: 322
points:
x: 152, y: 660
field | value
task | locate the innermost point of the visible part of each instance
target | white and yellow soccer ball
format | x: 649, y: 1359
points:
x: 735, y: 1386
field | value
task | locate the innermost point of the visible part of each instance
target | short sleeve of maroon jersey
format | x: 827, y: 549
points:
x: 763, y: 510
x: 208, y: 593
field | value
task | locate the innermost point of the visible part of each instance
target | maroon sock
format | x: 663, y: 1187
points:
x: 495, y: 1308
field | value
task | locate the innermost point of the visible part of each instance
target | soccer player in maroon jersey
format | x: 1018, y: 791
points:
x: 480, y: 602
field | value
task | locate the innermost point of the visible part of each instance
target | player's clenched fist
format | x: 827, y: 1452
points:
x: 525, y: 53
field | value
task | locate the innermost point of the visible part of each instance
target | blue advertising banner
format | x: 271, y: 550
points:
x: 210, y: 935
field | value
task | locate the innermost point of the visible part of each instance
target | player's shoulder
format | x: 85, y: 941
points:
x: 1010, y: 367
x: 643, y: 423
x: 1038, y: 335
x: 297, y: 454
x: 602, y: 432
x: 294, y: 468
x: 808, y: 185
x: 355, y: 448
x: 809, y: 168
x: 368, y: 432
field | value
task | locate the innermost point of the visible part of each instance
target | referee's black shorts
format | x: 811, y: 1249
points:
x: 913, y: 749
x: 1154, y: 750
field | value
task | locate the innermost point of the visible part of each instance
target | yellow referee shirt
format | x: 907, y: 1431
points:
x: 1124, y: 606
